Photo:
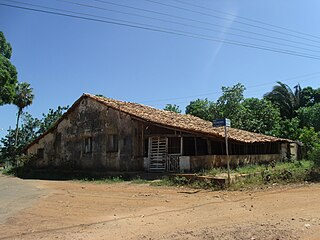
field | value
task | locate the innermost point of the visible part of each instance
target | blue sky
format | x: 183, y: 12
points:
x: 63, y: 57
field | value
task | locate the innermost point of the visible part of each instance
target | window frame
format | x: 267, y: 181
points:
x: 112, y: 143
x: 88, y: 145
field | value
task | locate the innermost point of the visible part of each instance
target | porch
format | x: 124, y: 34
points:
x: 188, y: 154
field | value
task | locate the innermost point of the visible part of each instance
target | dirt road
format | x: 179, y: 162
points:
x: 15, y: 195
x: 73, y: 210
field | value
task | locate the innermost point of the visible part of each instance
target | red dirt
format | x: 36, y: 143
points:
x: 74, y: 210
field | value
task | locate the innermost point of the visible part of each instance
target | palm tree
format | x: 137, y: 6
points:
x: 23, y: 98
x: 287, y: 100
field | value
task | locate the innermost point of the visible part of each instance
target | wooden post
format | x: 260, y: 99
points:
x: 226, y: 123
x: 149, y: 152
x: 227, y: 152
x: 142, y: 140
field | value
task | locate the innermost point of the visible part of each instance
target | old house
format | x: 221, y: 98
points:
x: 104, y: 134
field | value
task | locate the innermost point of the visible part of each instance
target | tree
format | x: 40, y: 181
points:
x: 259, y: 115
x: 29, y: 130
x: 23, y: 98
x: 11, y: 149
x: 287, y: 128
x: 7, y: 148
x: 200, y: 108
x: 50, y: 118
x: 172, y: 108
x: 27, y: 133
x: 310, y: 139
x: 309, y: 96
x: 310, y: 116
x: 287, y: 100
x: 229, y: 104
x: 8, y: 72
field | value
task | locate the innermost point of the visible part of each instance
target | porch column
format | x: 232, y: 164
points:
x: 181, y: 146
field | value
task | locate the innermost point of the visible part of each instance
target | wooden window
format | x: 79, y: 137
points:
x: 112, y: 143
x: 88, y: 145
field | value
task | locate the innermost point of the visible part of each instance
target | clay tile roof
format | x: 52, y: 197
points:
x: 182, y: 122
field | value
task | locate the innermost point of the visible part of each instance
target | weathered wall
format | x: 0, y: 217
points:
x: 294, y: 151
x: 65, y: 146
x: 215, y: 161
x: 290, y: 151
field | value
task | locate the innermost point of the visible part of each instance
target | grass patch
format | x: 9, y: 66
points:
x: 211, y: 172
x: 249, y: 169
x: 249, y: 183
x: 281, y: 173
x: 138, y: 180
x: 108, y: 180
x: 9, y: 171
x: 260, y: 175
x: 165, y: 181
x: 178, y: 181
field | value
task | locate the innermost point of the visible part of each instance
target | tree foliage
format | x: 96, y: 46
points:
x: 229, y: 105
x: 251, y: 114
x: 310, y: 116
x: 259, y: 115
x: 287, y: 128
x: 23, y: 95
x: 8, y: 72
x: 287, y: 100
x: 310, y: 139
x: 7, y: 149
x: 310, y: 96
x: 172, y: 108
x: 284, y: 112
x: 29, y: 130
x: 50, y: 118
x: 201, y: 108
x: 23, y: 98
x: 315, y: 156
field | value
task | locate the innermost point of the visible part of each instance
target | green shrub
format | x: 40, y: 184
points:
x: 315, y: 156
x: 314, y: 175
x: 180, y: 180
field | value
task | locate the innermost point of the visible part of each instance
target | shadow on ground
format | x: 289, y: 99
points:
x: 59, y: 174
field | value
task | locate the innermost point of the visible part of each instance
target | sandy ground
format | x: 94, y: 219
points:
x: 74, y: 210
